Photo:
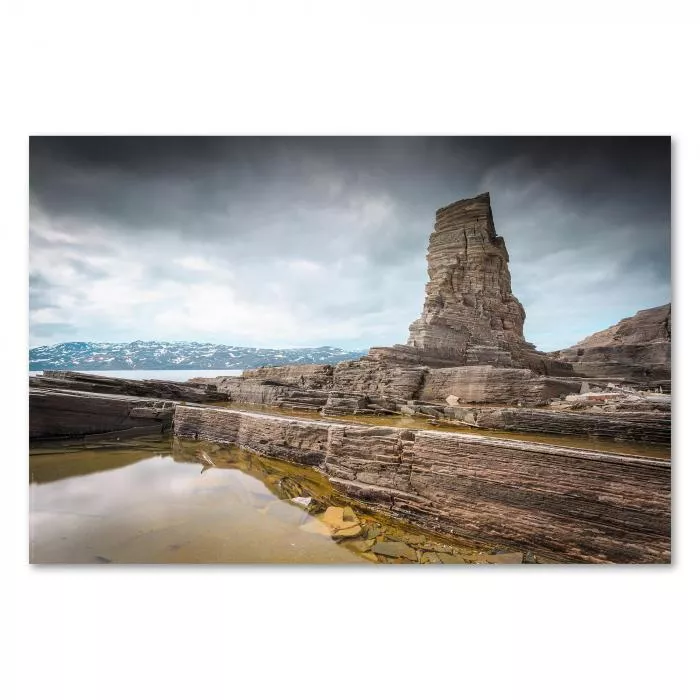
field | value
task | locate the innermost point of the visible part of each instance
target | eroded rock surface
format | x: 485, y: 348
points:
x: 636, y: 348
x: 470, y: 315
x: 151, y: 388
x: 69, y: 414
x: 569, y: 504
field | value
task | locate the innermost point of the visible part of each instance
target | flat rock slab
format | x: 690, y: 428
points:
x: 59, y: 414
x: 345, y: 533
x: 451, y: 559
x: 505, y: 558
x: 564, y: 503
x: 395, y: 550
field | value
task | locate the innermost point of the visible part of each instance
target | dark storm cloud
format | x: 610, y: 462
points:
x: 325, y: 238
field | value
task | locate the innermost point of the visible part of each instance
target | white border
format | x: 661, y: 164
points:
x: 361, y: 68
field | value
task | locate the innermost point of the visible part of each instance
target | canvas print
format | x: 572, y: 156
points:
x: 350, y: 350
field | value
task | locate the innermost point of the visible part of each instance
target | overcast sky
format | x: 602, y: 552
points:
x: 286, y: 242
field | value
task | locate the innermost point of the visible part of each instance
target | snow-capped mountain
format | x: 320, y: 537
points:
x: 179, y: 355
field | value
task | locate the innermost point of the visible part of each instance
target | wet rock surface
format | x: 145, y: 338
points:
x: 568, y: 504
x: 350, y: 524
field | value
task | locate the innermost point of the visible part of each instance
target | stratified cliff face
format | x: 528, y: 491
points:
x: 470, y: 315
x: 468, y: 300
x: 637, y: 348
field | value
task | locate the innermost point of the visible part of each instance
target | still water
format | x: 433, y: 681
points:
x: 175, y: 375
x: 177, y: 501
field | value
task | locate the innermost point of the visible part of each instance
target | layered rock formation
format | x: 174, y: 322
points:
x: 470, y: 315
x: 568, y: 504
x: 152, y: 388
x: 637, y: 348
x: 370, y: 385
x: 56, y: 413
x: 468, y: 341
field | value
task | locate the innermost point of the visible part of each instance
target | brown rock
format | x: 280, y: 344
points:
x: 395, y: 550
x: 637, y: 348
x: 567, y: 504
x: 470, y: 315
x: 360, y: 545
x: 505, y: 558
x: 430, y: 558
x: 451, y: 559
x: 345, y: 533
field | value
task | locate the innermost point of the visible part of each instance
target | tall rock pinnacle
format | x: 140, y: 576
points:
x: 468, y: 300
x: 470, y: 315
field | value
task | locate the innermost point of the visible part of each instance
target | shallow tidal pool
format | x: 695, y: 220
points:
x: 176, y: 501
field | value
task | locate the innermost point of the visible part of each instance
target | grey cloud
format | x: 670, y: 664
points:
x: 252, y: 212
x: 48, y: 330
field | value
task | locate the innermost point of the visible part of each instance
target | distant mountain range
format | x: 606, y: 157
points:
x: 180, y: 355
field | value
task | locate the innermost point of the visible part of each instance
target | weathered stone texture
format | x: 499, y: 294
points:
x: 636, y: 348
x: 300, y: 441
x: 487, y: 384
x: 151, y: 388
x: 576, y: 504
x: 66, y: 414
x: 470, y: 315
x: 641, y: 426
x: 302, y: 376
x: 568, y: 504
x: 468, y: 300
x: 378, y: 379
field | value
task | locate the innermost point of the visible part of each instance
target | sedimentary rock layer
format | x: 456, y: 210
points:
x: 152, y: 388
x: 567, y: 504
x: 367, y: 382
x: 486, y: 384
x: 54, y: 414
x: 468, y: 300
x: 636, y: 348
x: 470, y: 314
x: 634, y: 426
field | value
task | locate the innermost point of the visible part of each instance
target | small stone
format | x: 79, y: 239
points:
x: 452, y: 400
x: 505, y: 558
x: 303, y: 501
x: 360, y: 545
x: 373, y: 532
x: 349, y: 515
x: 333, y: 517
x: 414, y: 539
x: 395, y: 550
x: 430, y: 558
x: 370, y: 556
x: 436, y: 547
x: 450, y: 559
x: 352, y: 531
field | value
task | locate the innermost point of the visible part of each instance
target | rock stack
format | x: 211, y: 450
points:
x: 470, y: 315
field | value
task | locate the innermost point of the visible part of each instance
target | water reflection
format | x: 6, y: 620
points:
x: 194, y: 502
x: 140, y: 507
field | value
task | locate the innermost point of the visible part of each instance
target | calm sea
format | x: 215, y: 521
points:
x: 178, y: 375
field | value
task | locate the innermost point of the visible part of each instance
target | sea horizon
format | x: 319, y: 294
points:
x: 180, y: 375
